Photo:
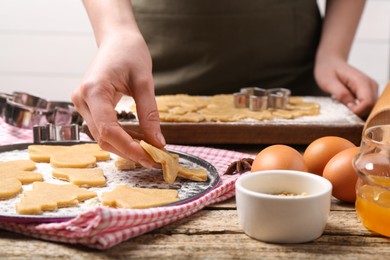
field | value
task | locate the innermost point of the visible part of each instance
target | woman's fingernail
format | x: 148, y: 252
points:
x: 161, y: 138
x: 350, y: 105
x: 146, y: 163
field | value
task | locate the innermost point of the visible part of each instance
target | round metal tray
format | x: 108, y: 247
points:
x: 145, y: 178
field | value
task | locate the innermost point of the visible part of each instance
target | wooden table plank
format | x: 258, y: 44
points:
x: 241, y: 246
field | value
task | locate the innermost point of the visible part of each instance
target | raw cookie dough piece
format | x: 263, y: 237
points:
x: 43, y: 153
x: 15, y: 173
x: 72, y: 160
x: 92, y: 149
x: 81, y: 177
x: 49, y: 197
x: 9, y: 188
x: 24, y: 177
x: 189, y: 117
x: 24, y: 165
x: 130, y: 197
x: 192, y: 174
x: 171, y: 166
x: 122, y: 164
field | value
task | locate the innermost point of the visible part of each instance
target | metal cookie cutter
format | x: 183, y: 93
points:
x: 253, y: 97
x: 3, y: 103
x: 278, y: 97
x: 257, y: 99
x: 56, y: 133
x: 25, y: 111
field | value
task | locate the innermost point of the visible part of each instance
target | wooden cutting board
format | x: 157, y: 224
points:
x: 334, y: 119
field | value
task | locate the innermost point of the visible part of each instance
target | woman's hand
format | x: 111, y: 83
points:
x: 122, y: 67
x: 346, y: 84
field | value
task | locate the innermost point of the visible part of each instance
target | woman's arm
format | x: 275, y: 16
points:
x: 332, y: 71
x: 110, y: 17
x: 122, y: 66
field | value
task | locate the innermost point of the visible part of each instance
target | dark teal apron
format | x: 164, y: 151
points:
x: 205, y: 47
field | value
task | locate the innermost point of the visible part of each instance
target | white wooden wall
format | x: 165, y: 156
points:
x: 371, y: 49
x: 46, y: 45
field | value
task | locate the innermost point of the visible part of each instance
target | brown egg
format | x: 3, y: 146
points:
x: 278, y: 157
x: 321, y: 150
x: 343, y: 176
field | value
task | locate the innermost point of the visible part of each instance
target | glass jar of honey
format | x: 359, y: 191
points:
x: 373, y: 186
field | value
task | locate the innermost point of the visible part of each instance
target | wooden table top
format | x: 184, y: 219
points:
x: 214, y: 233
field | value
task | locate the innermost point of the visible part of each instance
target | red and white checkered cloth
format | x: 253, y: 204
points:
x: 104, y: 227
x: 13, y: 135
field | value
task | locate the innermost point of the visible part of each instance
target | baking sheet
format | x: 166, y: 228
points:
x: 334, y: 119
x: 143, y: 178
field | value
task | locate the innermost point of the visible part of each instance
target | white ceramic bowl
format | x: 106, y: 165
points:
x: 283, y: 219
